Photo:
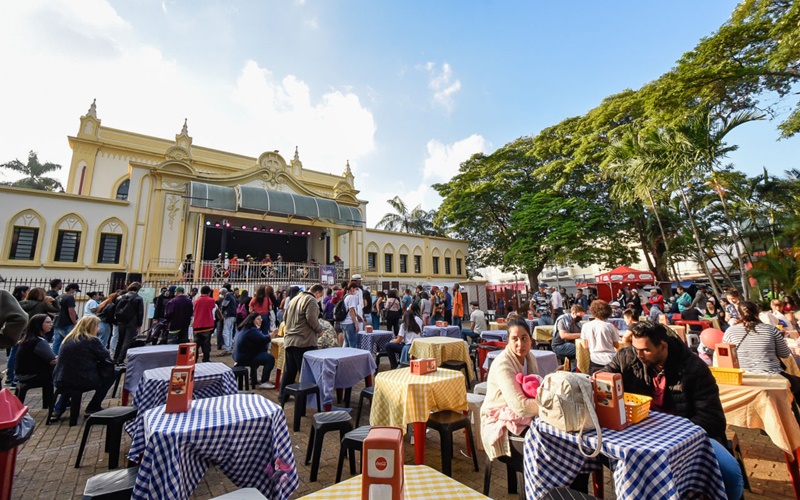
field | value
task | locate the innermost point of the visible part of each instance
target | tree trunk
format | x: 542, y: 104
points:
x: 700, y: 251
x: 736, y: 238
x: 661, y: 228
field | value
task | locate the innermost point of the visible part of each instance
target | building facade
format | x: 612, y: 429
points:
x: 139, y: 205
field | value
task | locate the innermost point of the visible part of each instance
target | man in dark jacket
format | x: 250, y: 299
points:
x: 179, y: 313
x: 129, y: 320
x: 660, y: 365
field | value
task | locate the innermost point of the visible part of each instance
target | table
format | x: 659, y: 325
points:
x: 335, y: 368
x: 496, y: 335
x: 441, y: 331
x: 402, y: 398
x: 662, y: 457
x: 619, y: 323
x: 374, y: 341
x: 279, y: 353
x: 244, y: 435
x: 442, y: 349
x: 144, y: 358
x: 532, y: 323
x: 494, y: 325
x: 764, y: 402
x: 543, y: 333
x: 421, y: 482
x: 210, y: 380
x: 547, y: 361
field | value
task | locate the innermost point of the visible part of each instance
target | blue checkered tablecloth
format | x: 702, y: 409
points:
x: 210, y: 380
x: 441, y: 331
x: 244, y: 435
x: 335, y: 368
x: 374, y: 342
x: 662, y: 457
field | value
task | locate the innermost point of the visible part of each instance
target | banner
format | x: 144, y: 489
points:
x: 327, y: 275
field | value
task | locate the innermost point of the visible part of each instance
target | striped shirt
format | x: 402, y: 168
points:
x: 758, y: 350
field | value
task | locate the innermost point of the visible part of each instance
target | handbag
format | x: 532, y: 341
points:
x: 566, y: 401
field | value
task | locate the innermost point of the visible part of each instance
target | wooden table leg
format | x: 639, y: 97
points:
x: 792, y: 464
x: 125, y: 396
x: 419, y: 442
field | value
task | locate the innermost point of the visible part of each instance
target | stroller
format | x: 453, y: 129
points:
x: 155, y: 335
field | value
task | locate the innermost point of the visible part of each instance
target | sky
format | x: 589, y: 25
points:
x: 405, y: 90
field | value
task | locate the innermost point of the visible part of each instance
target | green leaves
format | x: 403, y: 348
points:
x: 34, y: 174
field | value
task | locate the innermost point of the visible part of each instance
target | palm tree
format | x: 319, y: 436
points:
x: 416, y: 221
x: 703, y: 135
x: 34, y: 174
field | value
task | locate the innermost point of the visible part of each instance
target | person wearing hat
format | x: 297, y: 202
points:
x: 67, y: 317
x: 179, y: 313
x: 541, y: 306
x: 477, y: 323
x: 616, y: 310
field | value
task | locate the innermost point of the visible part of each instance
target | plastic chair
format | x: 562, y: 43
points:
x: 119, y: 372
x: 514, y: 465
x: 114, y: 419
x: 454, y: 364
x: 242, y: 377
x: 446, y: 422
x: 351, y: 442
x: 300, y: 392
x: 320, y: 424
x: 48, y: 400
x: 366, y: 393
x: 74, y: 406
x: 114, y: 485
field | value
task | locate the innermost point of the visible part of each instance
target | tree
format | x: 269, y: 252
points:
x: 416, y: 221
x: 34, y: 172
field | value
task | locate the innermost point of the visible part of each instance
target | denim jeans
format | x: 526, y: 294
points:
x: 104, y: 333
x: 265, y: 324
x: 266, y: 360
x: 394, y: 351
x: 114, y: 338
x: 350, y: 335
x: 376, y: 321
x: 731, y: 473
x: 468, y: 335
x: 58, y: 336
x: 227, y: 333
x: 545, y: 320
x: 457, y: 321
x: 11, y: 365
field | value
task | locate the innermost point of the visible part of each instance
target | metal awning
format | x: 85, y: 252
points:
x: 265, y: 201
x: 204, y: 195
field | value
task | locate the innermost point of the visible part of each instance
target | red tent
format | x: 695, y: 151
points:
x: 608, y: 284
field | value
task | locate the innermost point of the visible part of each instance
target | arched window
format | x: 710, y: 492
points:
x: 111, y: 235
x: 122, y: 190
x: 68, y: 236
x: 25, y: 236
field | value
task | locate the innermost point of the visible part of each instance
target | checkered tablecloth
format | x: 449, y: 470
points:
x: 244, y: 435
x: 662, y: 457
x: 374, y: 341
x: 421, y: 482
x: 335, y: 368
x: 210, y: 380
x: 402, y: 398
x: 495, y: 325
x: 141, y: 359
x: 441, y: 331
x: 543, y: 333
x: 532, y: 323
x: 496, y: 335
x: 442, y: 349
x: 619, y: 323
x: 276, y: 346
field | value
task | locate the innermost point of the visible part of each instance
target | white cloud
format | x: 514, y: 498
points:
x: 441, y: 164
x: 441, y: 83
x: 73, y: 54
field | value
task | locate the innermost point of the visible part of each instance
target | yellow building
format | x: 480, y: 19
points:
x: 138, y: 205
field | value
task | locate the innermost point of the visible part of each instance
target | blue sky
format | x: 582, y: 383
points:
x: 403, y: 90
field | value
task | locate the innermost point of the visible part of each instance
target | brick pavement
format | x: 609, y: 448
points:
x: 45, y: 465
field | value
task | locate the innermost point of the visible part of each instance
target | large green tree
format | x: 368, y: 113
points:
x: 34, y: 174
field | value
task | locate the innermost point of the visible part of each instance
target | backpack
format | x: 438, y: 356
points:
x: 126, y: 309
x: 368, y: 301
x: 340, y: 311
x: 241, y: 312
x: 566, y: 401
x: 107, y: 314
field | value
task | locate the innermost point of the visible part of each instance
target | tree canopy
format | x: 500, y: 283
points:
x: 34, y: 174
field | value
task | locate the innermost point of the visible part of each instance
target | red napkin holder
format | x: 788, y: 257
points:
x: 368, y: 329
x: 181, y: 386
x: 609, y: 401
x: 382, y: 465
x: 187, y: 354
x: 441, y: 323
x: 727, y: 355
x: 423, y: 366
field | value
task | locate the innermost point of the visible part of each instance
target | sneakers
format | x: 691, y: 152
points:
x: 266, y: 385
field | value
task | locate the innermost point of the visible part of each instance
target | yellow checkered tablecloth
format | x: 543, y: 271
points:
x: 442, y: 349
x: 543, y: 333
x: 421, y: 482
x: 494, y: 325
x: 402, y: 398
x: 278, y: 352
